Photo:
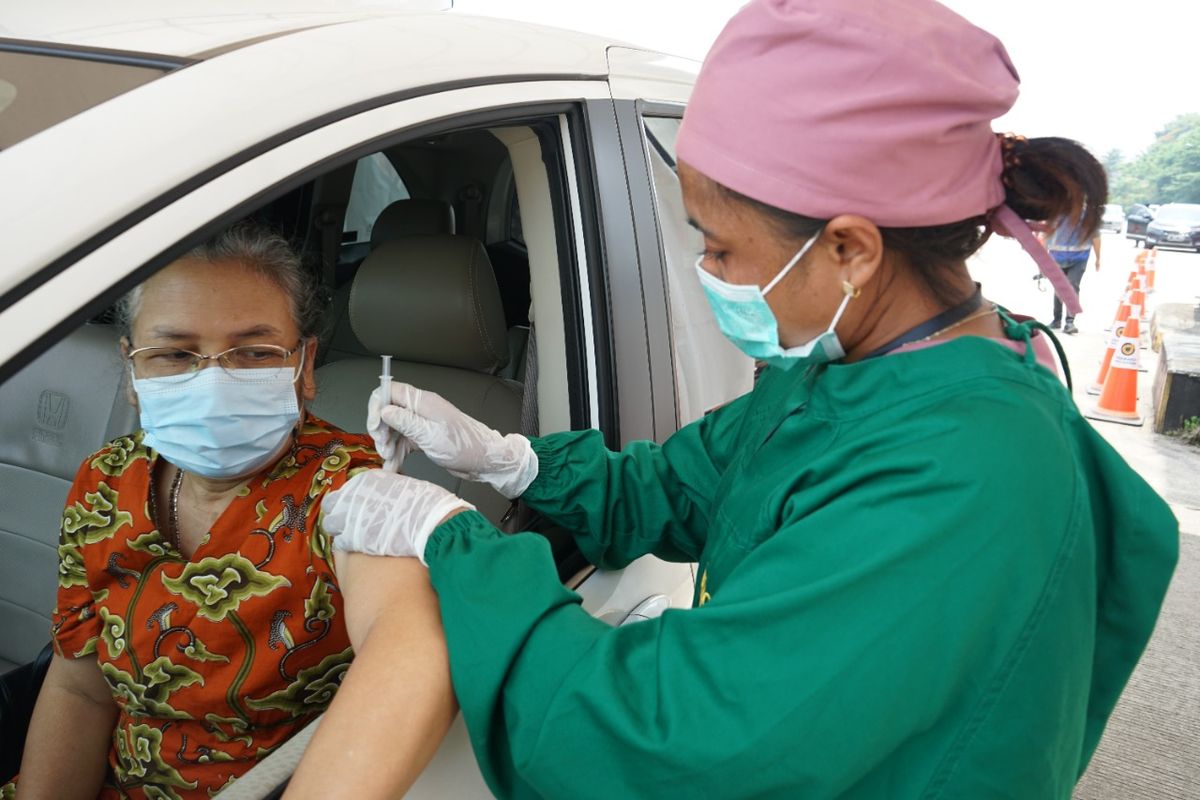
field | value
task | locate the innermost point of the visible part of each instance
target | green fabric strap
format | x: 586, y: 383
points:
x: 1024, y: 331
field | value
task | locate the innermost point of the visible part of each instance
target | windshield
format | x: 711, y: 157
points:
x: 41, y: 85
x: 1183, y: 213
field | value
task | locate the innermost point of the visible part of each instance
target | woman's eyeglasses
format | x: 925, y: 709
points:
x: 165, y: 362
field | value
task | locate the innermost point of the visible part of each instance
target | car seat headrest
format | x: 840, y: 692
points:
x: 433, y: 300
x: 412, y: 217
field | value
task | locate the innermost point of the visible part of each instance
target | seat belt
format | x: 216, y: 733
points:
x: 327, y: 224
x: 272, y: 772
x: 529, y: 398
x: 471, y: 198
x: 519, y: 516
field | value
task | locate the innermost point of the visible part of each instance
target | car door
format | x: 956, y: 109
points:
x: 695, y: 368
x: 605, y: 327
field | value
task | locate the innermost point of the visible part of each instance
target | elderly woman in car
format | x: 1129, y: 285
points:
x: 201, y: 617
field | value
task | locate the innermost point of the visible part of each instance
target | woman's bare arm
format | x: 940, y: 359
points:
x: 396, y: 702
x: 66, y: 750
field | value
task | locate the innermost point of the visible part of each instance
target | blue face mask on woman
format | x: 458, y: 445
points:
x: 746, y: 319
x: 218, y: 424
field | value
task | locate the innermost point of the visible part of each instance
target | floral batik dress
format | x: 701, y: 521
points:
x: 214, y: 660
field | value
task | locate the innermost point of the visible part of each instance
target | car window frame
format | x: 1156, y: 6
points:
x: 106, y: 266
x: 199, y: 179
x: 468, y: 105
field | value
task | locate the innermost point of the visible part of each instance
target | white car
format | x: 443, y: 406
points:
x: 1113, y: 219
x: 129, y: 134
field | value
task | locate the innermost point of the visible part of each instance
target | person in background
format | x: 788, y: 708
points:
x: 1071, y: 243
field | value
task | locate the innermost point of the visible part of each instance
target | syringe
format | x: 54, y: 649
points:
x: 385, y: 381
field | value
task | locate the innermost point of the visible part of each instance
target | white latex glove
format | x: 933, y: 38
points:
x: 463, y: 446
x: 390, y: 445
x: 384, y: 514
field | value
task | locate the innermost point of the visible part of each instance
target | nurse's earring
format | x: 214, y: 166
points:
x: 850, y: 289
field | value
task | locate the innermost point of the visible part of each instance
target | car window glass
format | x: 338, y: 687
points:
x: 1187, y: 214
x: 376, y: 186
x: 709, y: 371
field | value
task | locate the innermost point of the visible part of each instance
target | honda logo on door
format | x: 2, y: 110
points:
x: 52, y: 410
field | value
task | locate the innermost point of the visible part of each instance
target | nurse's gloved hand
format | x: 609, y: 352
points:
x: 390, y: 444
x: 384, y: 514
x: 463, y: 446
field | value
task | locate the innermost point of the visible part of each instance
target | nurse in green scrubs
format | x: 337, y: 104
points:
x: 922, y: 573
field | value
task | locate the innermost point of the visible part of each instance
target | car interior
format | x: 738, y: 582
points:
x: 434, y: 251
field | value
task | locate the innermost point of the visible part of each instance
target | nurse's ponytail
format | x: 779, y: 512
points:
x: 1049, y: 179
x: 1045, y: 180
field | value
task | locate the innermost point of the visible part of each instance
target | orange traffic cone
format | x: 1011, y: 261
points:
x: 1122, y: 314
x: 1137, y: 308
x: 1118, y: 399
x: 1114, y: 339
x: 1150, y: 277
x: 1137, y: 299
x: 1117, y: 318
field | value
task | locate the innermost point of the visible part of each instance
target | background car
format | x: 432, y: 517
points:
x: 1175, y: 225
x: 1136, y: 220
x: 1113, y: 219
x: 128, y: 137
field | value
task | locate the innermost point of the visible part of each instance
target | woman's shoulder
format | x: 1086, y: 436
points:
x: 117, y: 459
x: 315, y: 430
x: 330, y: 448
x: 975, y: 377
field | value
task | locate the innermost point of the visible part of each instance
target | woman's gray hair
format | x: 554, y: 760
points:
x: 266, y: 253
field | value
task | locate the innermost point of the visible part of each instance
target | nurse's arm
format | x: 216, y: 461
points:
x: 73, y: 722
x: 644, y: 499
x: 784, y: 684
x: 396, y: 702
x: 879, y: 617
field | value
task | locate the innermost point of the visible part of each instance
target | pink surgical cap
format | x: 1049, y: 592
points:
x: 881, y: 108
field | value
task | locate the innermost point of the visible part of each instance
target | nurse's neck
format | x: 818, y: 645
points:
x: 900, y: 302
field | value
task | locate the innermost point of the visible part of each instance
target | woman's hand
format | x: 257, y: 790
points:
x: 381, y: 513
x: 461, y: 445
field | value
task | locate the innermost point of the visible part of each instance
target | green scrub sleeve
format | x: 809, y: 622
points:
x: 830, y: 650
x: 645, y: 499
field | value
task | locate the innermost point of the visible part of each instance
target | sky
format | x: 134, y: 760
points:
x: 1109, y: 73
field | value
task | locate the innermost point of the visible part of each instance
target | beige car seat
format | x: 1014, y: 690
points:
x: 431, y: 302
x: 411, y: 217
x: 53, y: 414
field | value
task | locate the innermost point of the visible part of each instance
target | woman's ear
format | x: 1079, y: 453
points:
x: 308, y: 379
x: 858, y: 245
x: 127, y: 372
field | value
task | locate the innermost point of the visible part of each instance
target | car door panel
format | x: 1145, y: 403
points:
x: 95, y: 279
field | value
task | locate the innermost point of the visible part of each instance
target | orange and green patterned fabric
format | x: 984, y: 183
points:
x: 215, y: 660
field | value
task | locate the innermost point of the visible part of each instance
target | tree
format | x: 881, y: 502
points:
x: 1167, y: 172
x: 1113, y: 160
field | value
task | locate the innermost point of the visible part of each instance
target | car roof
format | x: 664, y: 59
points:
x: 184, y: 28
x: 262, y: 89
